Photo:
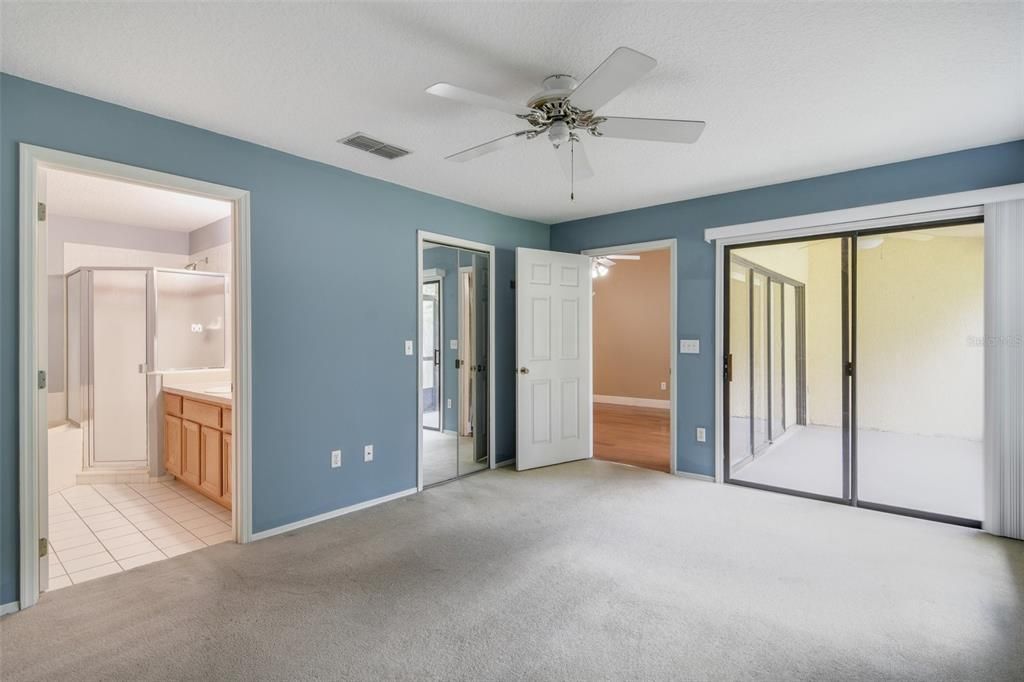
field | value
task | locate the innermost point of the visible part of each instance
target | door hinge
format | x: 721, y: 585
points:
x: 44, y: 547
x: 41, y: 378
x: 849, y: 369
x: 40, y: 211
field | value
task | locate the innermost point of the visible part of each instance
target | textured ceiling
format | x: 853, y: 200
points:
x: 112, y: 201
x: 788, y: 90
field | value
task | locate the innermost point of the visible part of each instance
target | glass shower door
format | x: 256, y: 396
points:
x: 118, y: 340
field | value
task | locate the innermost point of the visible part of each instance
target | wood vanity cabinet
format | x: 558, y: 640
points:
x: 197, y: 445
x: 172, y: 444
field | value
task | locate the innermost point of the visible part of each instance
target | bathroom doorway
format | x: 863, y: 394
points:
x: 134, y: 451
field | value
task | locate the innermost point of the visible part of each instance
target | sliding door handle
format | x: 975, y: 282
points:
x: 437, y: 357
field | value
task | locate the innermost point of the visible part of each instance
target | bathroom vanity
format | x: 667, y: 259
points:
x: 197, y: 440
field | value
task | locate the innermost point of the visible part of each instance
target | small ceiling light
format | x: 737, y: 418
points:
x: 558, y: 133
x: 602, y: 270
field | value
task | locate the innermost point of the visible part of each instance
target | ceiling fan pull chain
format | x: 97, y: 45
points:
x: 572, y: 171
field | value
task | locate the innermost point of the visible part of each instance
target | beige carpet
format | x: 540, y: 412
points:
x: 584, y: 571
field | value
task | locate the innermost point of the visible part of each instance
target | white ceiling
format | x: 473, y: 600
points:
x: 112, y: 201
x: 789, y: 90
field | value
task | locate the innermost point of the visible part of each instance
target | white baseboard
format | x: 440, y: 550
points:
x: 9, y: 607
x: 263, y: 534
x: 698, y: 477
x: 634, y: 402
x: 505, y: 463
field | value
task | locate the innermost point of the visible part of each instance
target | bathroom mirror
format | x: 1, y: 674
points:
x: 190, y: 320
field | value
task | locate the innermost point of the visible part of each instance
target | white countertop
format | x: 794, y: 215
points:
x: 212, y: 393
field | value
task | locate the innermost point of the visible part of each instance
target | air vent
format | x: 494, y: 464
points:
x: 368, y: 144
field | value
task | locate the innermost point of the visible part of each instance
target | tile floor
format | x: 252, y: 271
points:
x: 96, y: 530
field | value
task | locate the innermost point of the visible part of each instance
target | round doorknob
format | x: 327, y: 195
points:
x: 524, y: 370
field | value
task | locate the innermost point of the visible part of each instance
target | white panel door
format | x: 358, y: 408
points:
x: 553, y: 351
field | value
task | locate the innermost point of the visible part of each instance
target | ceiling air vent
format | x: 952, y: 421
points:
x: 368, y: 144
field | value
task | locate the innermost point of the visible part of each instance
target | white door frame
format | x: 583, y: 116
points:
x: 925, y: 209
x: 33, y: 489
x: 673, y: 286
x: 458, y: 243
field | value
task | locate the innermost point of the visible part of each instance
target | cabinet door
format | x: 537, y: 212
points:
x: 211, y: 467
x: 172, y: 445
x: 226, y: 455
x: 190, y: 452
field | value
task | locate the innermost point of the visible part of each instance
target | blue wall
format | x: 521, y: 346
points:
x: 329, y: 323
x: 686, y: 221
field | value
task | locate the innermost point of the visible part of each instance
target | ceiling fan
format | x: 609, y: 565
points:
x: 599, y: 264
x: 564, y: 108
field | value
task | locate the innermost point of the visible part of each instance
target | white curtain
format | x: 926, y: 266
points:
x: 1004, y: 369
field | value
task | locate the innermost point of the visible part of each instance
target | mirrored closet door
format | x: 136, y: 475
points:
x: 453, y: 348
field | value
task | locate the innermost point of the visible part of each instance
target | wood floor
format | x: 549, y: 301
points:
x: 632, y: 435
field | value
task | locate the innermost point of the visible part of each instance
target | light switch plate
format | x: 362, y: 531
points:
x: 335, y: 459
x: 664, y: 386
x: 702, y: 435
x: 367, y: 453
x: 408, y: 347
x: 449, y: 403
x: 453, y: 344
x: 689, y: 346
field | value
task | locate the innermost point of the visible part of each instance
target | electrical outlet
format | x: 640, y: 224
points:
x: 335, y: 459
x: 367, y: 453
x: 408, y: 347
x: 664, y: 386
x: 702, y: 435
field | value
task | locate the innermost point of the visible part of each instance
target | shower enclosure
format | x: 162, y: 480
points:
x: 125, y: 327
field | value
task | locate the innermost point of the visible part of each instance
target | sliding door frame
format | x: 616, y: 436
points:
x: 849, y: 288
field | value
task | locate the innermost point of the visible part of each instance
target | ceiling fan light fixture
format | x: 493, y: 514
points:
x: 558, y: 133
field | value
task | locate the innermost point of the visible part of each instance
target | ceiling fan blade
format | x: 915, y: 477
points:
x: 449, y: 91
x: 622, y: 68
x: 617, y: 256
x: 570, y: 154
x: 653, y: 129
x: 608, y: 262
x: 487, y: 147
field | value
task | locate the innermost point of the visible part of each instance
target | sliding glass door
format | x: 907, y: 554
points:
x: 854, y: 369
x: 777, y: 292
x: 920, y: 370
